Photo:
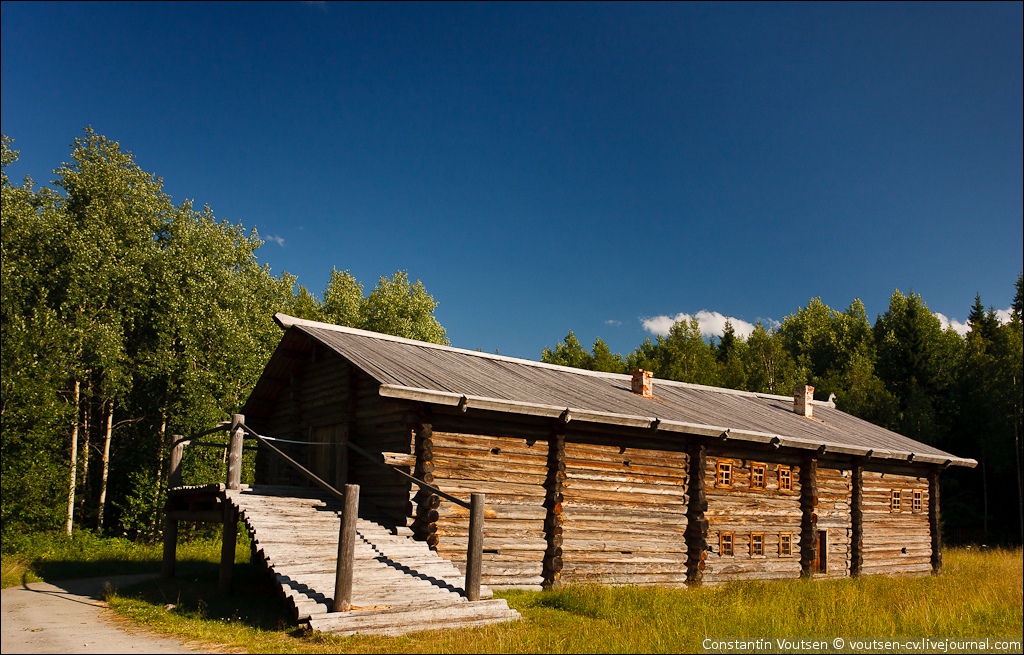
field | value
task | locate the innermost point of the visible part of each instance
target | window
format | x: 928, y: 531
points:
x: 918, y: 501
x: 785, y: 545
x: 757, y: 472
x: 757, y: 544
x: 785, y: 478
x: 895, y: 500
x: 724, y: 477
x: 725, y: 540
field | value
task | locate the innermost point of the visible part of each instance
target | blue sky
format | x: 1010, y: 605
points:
x: 547, y: 167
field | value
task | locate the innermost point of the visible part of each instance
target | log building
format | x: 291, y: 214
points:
x: 596, y: 476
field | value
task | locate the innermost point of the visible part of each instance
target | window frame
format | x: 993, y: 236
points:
x: 895, y: 501
x: 788, y: 470
x: 763, y: 468
x: 917, y: 501
x: 759, y: 536
x: 724, y: 466
x: 786, y: 538
x: 729, y: 537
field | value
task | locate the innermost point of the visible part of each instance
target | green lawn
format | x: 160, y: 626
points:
x: 978, y: 596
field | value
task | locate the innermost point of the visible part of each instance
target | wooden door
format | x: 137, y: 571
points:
x: 328, y: 456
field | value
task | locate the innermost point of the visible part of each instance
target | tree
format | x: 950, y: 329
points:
x: 917, y: 364
x: 686, y: 356
x: 603, y: 359
x: 730, y: 358
x: 405, y: 310
x: 343, y: 300
x: 569, y: 352
x: 769, y: 368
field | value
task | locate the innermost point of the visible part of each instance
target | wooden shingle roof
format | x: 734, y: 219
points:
x: 419, y: 371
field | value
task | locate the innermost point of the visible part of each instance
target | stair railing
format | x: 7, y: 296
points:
x: 350, y: 503
x: 475, y: 547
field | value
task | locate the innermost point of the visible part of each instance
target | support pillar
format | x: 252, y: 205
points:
x: 227, y: 549
x: 170, y: 547
x: 552, y: 565
x: 933, y: 519
x: 696, y: 534
x: 808, y: 518
x: 857, y: 520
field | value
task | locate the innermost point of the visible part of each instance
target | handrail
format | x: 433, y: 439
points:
x: 421, y: 483
x: 343, y: 578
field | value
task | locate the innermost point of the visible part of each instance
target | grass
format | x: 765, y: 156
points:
x: 979, y: 595
x: 86, y: 555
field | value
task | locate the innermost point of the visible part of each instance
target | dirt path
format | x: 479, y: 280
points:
x: 71, y: 617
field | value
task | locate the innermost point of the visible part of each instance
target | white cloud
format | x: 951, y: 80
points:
x: 612, y: 322
x: 961, y: 328
x: 1002, y: 315
x: 276, y: 239
x: 711, y: 324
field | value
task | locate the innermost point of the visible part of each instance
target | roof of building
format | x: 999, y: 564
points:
x: 443, y: 375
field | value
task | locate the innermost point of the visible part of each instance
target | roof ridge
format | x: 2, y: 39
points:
x: 286, y: 321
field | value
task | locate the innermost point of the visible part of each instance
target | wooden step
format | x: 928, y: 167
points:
x: 399, y: 584
x: 413, y: 619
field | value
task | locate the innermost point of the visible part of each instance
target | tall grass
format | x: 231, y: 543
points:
x: 978, y: 595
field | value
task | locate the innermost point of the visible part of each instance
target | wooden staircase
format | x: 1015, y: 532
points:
x: 399, y: 584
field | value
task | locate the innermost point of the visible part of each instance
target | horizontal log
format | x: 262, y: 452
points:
x: 455, y: 545
x: 505, y: 445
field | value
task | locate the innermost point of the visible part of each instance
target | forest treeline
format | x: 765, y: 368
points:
x: 127, y: 319
x: 962, y: 394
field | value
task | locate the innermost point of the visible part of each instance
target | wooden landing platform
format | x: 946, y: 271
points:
x: 399, y: 584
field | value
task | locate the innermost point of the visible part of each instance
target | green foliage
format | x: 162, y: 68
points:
x: 405, y: 310
x: 163, y: 316
x: 568, y: 353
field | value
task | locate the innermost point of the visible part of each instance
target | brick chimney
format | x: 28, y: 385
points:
x: 803, y: 400
x: 642, y: 383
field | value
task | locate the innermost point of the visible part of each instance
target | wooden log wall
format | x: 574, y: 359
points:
x: 741, y: 510
x: 835, y: 490
x: 896, y: 542
x: 512, y: 471
x: 625, y: 510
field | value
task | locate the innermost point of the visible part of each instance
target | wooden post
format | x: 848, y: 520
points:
x: 346, y: 550
x: 808, y: 518
x: 933, y: 519
x: 857, y: 520
x: 475, y: 551
x: 227, y: 549
x: 170, y: 547
x: 177, y: 452
x: 696, y: 534
x: 235, y: 452
x: 553, y: 519
x: 424, y: 525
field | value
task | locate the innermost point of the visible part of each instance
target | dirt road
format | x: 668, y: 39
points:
x: 71, y: 617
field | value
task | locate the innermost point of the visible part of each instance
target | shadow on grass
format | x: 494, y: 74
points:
x: 193, y: 593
